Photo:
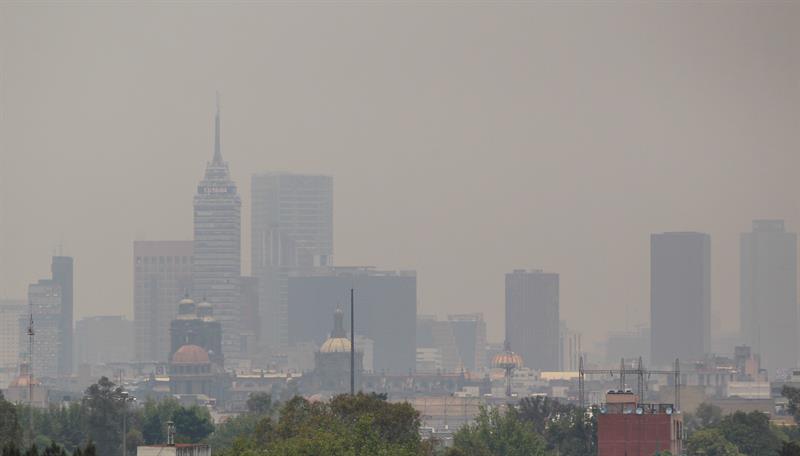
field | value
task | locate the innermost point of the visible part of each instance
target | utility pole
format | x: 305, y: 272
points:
x: 352, y: 345
x: 30, y: 374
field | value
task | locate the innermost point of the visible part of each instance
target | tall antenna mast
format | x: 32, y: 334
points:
x: 352, y: 346
x: 30, y: 373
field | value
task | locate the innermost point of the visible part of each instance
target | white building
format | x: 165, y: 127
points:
x: 179, y: 449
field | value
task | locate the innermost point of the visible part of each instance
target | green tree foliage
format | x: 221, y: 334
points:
x: 104, y: 409
x: 192, y: 424
x: 706, y: 415
x: 752, y: 433
x: 711, y: 442
x: 565, y: 427
x: 793, y: 395
x: 498, y: 434
x: 790, y: 449
x: 365, y: 424
x: 10, y: 430
x: 259, y: 403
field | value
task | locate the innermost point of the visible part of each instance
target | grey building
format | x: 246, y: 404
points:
x: 62, y: 272
x: 103, y: 339
x: 45, y: 308
x: 680, y: 296
x: 469, y: 331
x: 292, y: 232
x: 216, y: 266
x: 532, y: 318
x: 386, y: 311
x: 769, y: 294
x: 162, y: 275
x: 11, y: 311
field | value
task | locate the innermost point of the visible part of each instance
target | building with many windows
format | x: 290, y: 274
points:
x: 532, y: 318
x: 769, y: 294
x: 216, y: 266
x: 292, y: 233
x: 162, y: 274
x: 680, y: 296
x: 44, y: 299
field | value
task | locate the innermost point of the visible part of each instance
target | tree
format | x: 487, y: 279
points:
x: 192, y: 424
x: 10, y: 430
x: 259, y: 403
x: 710, y: 442
x: 790, y: 449
x: 566, y: 428
x: 499, y: 434
x: 751, y: 433
x: 104, y: 409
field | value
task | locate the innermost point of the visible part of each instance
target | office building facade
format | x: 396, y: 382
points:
x: 386, y: 311
x: 103, y: 339
x: 162, y: 275
x: 44, y: 299
x: 63, y: 274
x: 680, y: 297
x: 768, y: 293
x: 532, y: 317
x: 292, y: 233
x: 216, y: 265
x: 11, y: 311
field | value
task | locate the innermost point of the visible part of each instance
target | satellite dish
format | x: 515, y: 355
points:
x: 669, y: 410
x: 603, y: 410
x: 639, y: 411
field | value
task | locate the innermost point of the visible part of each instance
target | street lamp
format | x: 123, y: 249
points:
x: 125, y: 398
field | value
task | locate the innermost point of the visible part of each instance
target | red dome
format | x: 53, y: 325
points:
x: 190, y: 354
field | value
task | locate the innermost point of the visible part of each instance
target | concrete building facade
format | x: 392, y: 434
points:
x: 386, y: 311
x: 680, y: 296
x: 162, y: 275
x: 768, y: 294
x: 292, y: 233
x: 104, y: 339
x: 63, y: 274
x: 532, y: 317
x: 216, y: 265
x: 45, y: 307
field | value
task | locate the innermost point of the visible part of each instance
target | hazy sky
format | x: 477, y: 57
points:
x: 464, y: 141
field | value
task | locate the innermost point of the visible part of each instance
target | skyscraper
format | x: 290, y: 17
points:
x: 768, y: 294
x: 162, y: 274
x: 45, y: 305
x: 10, y: 313
x: 532, y: 317
x: 216, y: 266
x: 385, y: 304
x: 103, y: 339
x: 680, y: 296
x: 292, y: 232
x: 62, y: 272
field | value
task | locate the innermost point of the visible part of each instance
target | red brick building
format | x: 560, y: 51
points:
x: 626, y: 427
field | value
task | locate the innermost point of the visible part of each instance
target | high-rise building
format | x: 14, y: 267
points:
x: 10, y: 313
x: 251, y: 323
x: 469, y: 331
x: 570, y: 350
x: 532, y: 317
x: 437, y: 334
x: 769, y: 294
x: 162, y: 275
x: 216, y: 266
x: 45, y: 306
x: 103, y: 339
x: 680, y: 296
x: 385, y: 311
x: 292, y: 232
x: 62, y: 272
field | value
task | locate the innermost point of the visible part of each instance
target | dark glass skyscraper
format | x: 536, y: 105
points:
x: 216, y: 267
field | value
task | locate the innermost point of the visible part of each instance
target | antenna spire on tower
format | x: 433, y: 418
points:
x: 217, y: 151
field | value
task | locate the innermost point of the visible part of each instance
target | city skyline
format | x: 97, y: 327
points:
x: 622, y: 181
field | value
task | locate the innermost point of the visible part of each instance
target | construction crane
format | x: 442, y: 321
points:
x: 639, y: 371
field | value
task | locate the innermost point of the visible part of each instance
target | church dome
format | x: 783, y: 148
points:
x: 186, y: 308
x: 23, y: 379
x: 191, y: 354
x: 338, y: 342
x: 336, y: 345
x: 507, y: 359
